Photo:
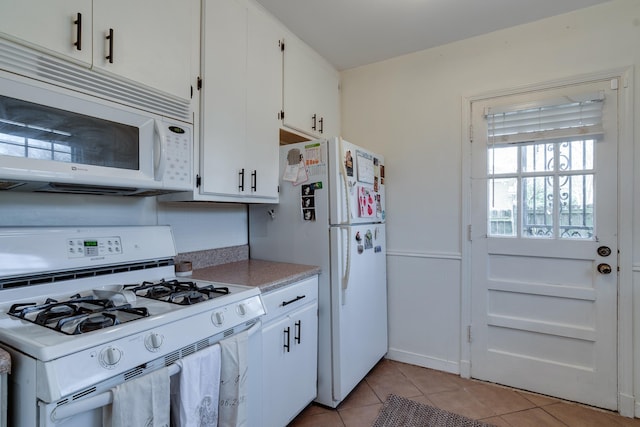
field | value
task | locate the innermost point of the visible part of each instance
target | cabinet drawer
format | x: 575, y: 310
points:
x: 282, y: 301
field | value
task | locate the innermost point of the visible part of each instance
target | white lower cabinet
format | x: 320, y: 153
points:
x: 289, y: 351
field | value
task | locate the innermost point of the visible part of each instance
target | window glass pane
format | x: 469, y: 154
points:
x: 39, y: 153
x: 576, y: 155
x: 576, y: 207
x: 537, y: 157
x: 62, y: 148
x: 503, y: 196
x: 11, y: 145
x: 537, y: 206
x: 46, y: 145
x: 62, y: 157
x: 503, y: 160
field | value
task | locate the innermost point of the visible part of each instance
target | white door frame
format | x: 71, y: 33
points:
x: 627, y: 405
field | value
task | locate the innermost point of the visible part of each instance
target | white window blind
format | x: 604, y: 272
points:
x: 559, y: 119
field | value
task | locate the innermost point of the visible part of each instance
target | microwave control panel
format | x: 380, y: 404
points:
x: 179, y: 155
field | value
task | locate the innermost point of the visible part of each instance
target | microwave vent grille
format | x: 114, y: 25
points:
x: 27, y: 62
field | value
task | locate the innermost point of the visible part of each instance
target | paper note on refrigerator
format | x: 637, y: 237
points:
x: 294, y: 158
x: 364, y: 163
x: 296, y: 170
x: 291, y: 173
x: 303, y: 173
x: 366, y: 202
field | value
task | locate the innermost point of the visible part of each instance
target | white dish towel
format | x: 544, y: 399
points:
x: 194, y: 391
x: 233, y: 381
x: 140, y: 402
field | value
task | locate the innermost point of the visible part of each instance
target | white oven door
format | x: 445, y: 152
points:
x: 87, y: 412
x: 49, y: 418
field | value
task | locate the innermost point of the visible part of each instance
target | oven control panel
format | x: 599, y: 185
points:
x: 90, y: 247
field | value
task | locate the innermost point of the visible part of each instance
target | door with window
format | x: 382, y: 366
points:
x: 544, y: 242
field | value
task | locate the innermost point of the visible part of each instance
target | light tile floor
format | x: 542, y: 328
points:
x: 502, y: 406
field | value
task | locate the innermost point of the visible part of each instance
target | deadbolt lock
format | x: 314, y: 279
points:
x: 604, y: 251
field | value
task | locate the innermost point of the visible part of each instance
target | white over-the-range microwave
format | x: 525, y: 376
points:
x: 53, y: 139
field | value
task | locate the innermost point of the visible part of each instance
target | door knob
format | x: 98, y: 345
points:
x: 604, y: 268
x: 604, y: 251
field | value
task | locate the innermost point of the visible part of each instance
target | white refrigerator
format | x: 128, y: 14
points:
x: 331, y: 213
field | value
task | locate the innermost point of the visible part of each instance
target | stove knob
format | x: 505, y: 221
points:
x: 241, y: 309
x: 217, y: 318
x: 110, y: 356
x: 153, y: 341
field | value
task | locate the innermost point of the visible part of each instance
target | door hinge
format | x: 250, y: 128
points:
x: 281, y: 43
x: 471, y: 134
x: 199, y: 84
x: 281, y: 115
x: 198, y: 181
x: 469, y: 333
x: 469, y: 233
x: 191, y: 91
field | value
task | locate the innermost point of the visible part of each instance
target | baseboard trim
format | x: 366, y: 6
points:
x: 626, y: 405
x: 465, y: 368
x: 424, y: 361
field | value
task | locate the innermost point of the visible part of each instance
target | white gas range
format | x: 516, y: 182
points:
x: 85, y: 309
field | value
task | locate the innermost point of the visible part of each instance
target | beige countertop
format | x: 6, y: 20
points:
x: 5, y: 362
x: 267, y: 275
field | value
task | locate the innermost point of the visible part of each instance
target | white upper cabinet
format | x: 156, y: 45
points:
x: 264, y: 100
x: 150, y: 42
x: 223, y: 97
x: 311, y: 97
x: 57, y: 27
x: 149, y: 45
x: 241, y: 96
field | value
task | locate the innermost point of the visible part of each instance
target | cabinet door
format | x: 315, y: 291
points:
x: 223, y: 111
x: 310, y: 95
x: 150, y: 45
x: 305, y: 356
x: 328, y: 98
x: 50, y: 26
x: 298, y: 92
x: 264, y: 100
x: 289, y: 365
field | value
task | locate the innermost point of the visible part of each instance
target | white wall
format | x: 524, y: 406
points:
x: 411, y: 110
x: 196, y: 226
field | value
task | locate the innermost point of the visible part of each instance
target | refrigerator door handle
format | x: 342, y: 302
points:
x: 347, y: 264
x: 345, y: 182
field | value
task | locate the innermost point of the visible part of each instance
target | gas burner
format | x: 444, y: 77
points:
x: 177, y: 291
x: 77, y: 314
x: 92, y: 322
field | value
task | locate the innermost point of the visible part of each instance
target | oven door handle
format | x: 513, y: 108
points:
x: 94, y: 402
x: 106, y: 398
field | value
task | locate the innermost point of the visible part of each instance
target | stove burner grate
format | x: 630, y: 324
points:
x: 78, y: 314
x: 177, y: 291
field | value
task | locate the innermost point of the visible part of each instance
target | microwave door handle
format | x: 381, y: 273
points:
x: 159, y: 151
